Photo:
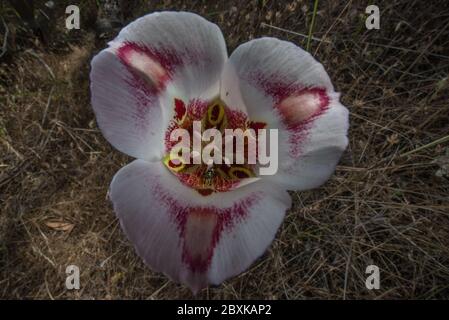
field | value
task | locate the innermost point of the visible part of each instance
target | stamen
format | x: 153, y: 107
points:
x: 207, y: 178
x: 215, y: 114
x: 175, y: 164
x: 240, y: 173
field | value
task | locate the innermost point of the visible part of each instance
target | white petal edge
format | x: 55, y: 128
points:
x: 150, y: 203
x: 268, y: 72
x: 132, y: 113
x: 196, y: 42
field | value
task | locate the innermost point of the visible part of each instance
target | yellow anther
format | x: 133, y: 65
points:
x: 240, y: 173
x: 215, y: 113
x: 175, y: 164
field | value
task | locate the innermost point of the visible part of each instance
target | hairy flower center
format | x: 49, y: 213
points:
x: 216, y: 176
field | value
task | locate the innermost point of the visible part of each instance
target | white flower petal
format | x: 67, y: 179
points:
x: 197, y: 240
x: 230, y: 89
x: 308, y: 157
x: 129, y: 116
x: 154, y: 60
x: 191, y: 48
x: 286, y: 88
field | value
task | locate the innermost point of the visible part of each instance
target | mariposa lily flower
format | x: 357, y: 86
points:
x: 201, y: 224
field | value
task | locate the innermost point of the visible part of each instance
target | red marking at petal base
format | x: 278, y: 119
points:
x: 200, y: 237
x: 195, y: 109
x: 236, y: 119
x: 180, y: 109
x: 219, y: 220
x: 257, y: 125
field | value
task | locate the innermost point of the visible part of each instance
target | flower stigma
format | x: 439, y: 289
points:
x: 210, y: 156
